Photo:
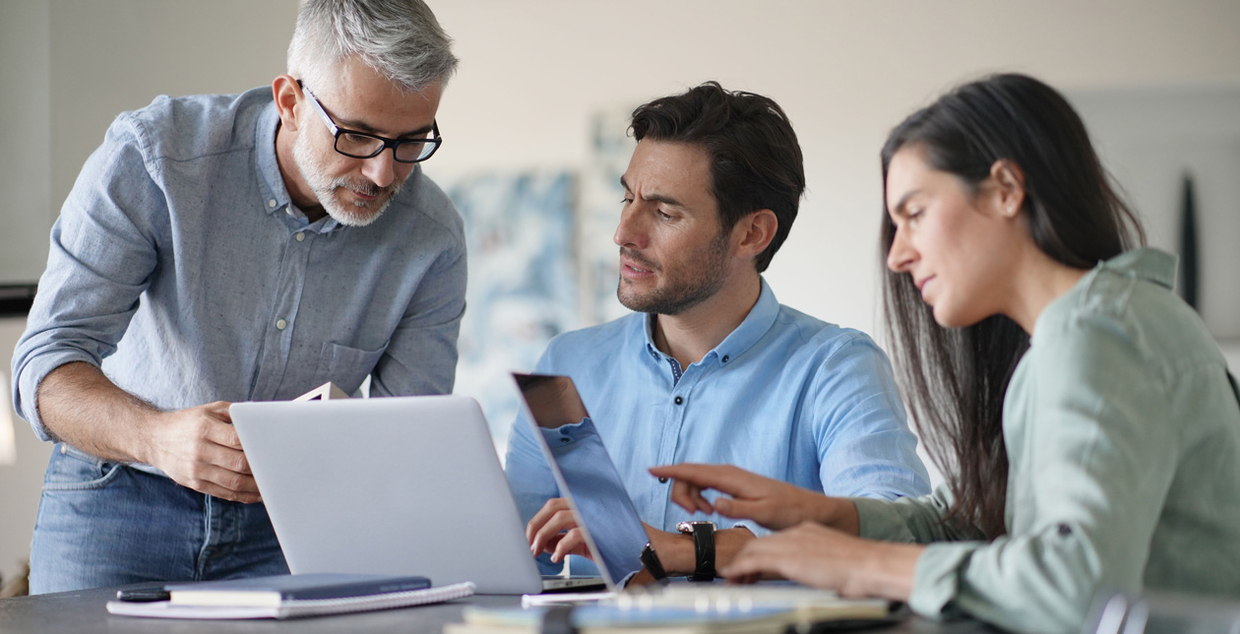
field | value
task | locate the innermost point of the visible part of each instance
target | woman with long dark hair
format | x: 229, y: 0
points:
x: 1085, y: 419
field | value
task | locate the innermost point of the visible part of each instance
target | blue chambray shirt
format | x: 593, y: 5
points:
x: 784, y: 395
x: 181, y: 267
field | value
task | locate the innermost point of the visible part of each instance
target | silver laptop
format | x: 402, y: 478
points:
x: 408, y: 485
x: 586, y: 476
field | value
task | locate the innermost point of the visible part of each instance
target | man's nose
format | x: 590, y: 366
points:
x: 631, y: 231
x: 381, y: 168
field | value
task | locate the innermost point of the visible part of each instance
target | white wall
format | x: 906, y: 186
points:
x: 25, y: 151
x: 532, y: 72
x: 845, y: 71
x: 1150, y: 139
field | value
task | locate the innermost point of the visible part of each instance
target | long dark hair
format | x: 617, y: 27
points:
x: 955, y: 379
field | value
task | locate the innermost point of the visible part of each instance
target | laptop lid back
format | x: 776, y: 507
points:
x: 585, y: 474
x: 400, y: 486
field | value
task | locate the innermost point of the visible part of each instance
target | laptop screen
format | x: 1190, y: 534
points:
x: 587, y: 477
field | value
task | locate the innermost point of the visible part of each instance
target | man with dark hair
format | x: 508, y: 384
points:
x: 242, y: 247
x: 710, y: 367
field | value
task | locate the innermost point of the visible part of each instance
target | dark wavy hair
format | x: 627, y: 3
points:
x: 755, y: 160
x: 955, y: 379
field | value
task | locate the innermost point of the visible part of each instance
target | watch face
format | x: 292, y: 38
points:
x: 687, y: 527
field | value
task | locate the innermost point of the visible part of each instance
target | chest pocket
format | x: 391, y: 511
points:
x: 347, y: 367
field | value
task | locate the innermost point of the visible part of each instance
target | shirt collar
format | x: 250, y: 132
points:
x: 756, y: 324
x: 1143, y: 263
x: 275, y: 194
x: 1150, y: 264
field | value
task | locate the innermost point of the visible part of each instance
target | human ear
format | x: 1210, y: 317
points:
x: 287, y: 93
x: 755, y: 233
x: 1010, y: 186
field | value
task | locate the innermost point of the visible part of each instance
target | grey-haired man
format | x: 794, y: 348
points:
x: 236, y: 247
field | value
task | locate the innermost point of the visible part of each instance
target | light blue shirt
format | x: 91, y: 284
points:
x: 182, y: 268
x: 784, y: 395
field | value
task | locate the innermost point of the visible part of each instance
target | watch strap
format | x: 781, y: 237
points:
x: 651, y: 561
x: 703, y: 552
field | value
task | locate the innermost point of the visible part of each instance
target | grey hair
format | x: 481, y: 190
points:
x: 400, y: 39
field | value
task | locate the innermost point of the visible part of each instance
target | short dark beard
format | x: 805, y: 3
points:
x: 674, y: 301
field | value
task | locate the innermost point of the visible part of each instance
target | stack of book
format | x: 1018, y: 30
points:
x: 284, y: 596
x: 692, y: 609
x: 612, y: 619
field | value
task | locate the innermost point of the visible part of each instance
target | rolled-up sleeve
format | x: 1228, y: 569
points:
x: 102, y: 253
x: 919, y: 520
x: 865, y: 446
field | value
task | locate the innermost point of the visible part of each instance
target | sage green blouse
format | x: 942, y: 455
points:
x: 1123, y: 436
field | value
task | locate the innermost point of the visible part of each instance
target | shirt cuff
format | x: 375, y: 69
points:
x: 880, y: 519
x: 27, y: 384
x: 753, y: 527
x: 936, y: 580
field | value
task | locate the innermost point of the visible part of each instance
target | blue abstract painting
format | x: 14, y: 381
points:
x: 523, y: 281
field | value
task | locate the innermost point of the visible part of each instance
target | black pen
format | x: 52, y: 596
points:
x: 143, y: 595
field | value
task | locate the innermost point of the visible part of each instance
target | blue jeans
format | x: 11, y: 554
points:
x: 106, y: 524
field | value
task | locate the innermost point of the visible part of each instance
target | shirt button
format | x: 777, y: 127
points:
x: 281, y: 324
x: 301, y: 235
x: 725, y: 358
x: 678, y: 400
x: 663, y: 480
x: 272, y: 203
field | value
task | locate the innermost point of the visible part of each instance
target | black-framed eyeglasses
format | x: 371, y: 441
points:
x: 362, y: 145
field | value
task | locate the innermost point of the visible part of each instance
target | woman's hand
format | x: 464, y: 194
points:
x: 771, y: 503
x: 823, y: 557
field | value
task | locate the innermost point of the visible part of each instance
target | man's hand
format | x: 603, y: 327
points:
x: 823, y: 557
x: 553, y: 529
x: 771, y: 503
x: 198, y: 448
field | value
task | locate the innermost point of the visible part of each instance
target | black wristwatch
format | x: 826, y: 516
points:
x: 651, y: 561
x: 703, y: 548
